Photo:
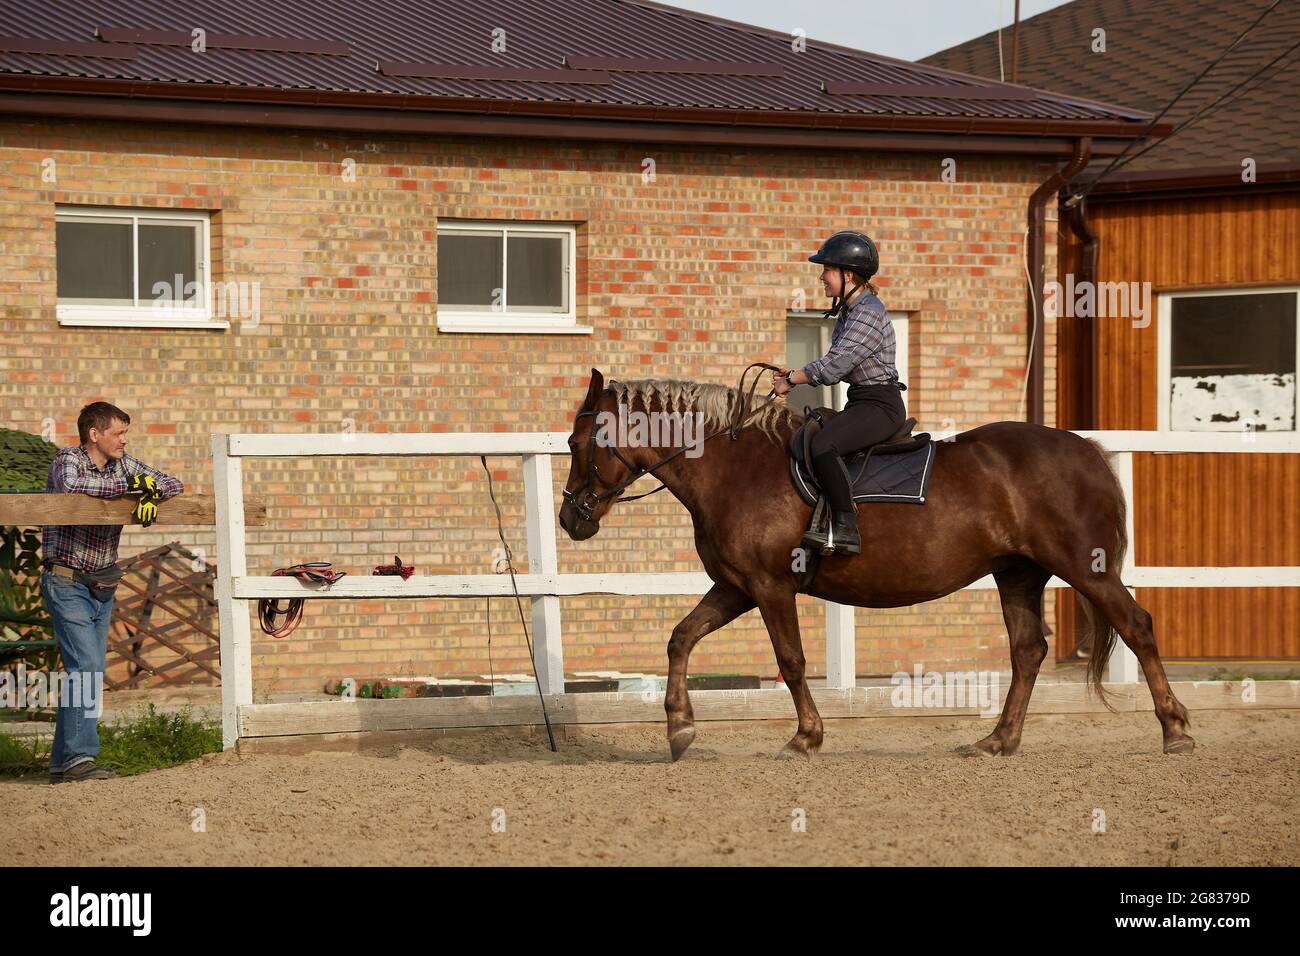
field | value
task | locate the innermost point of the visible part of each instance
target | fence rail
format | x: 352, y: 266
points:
x: 544, y: 585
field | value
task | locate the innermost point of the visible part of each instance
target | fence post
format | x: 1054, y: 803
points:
x: 539, y: 513
x: 1122, y: 666
x: 841, y: 654
x: 232, y: 562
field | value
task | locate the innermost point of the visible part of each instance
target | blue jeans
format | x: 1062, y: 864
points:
x: 81, y: 626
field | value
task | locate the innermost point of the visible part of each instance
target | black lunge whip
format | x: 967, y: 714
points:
x: 518, y: 603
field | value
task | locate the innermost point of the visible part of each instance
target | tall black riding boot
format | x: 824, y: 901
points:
x: 834, y: 480
x: 844, y: 533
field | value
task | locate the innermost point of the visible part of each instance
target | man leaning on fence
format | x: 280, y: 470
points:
x: 81, y: 575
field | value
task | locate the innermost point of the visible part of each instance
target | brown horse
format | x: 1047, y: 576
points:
x: 1019, y: 501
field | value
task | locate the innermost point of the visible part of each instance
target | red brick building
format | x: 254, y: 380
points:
x: 340, y: 195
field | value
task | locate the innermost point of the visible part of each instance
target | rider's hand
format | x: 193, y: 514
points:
x: 780, y: 384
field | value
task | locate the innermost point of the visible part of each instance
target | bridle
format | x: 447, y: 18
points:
x: 585, y: 499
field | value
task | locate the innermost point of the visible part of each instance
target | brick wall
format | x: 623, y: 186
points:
x: 688, y: 276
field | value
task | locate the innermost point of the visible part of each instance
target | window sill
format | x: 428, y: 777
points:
x: 454, y: 325
x: 144, y: 321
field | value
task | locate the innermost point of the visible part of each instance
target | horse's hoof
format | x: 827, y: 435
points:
x: 797, y: 748
x: 988, y: 747
x: 679, y: 741
x: 1180, y: 745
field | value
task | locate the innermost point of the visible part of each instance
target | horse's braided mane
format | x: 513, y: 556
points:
x: 717, y: 402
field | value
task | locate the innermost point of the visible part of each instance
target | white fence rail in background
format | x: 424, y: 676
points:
x: 544, y: 584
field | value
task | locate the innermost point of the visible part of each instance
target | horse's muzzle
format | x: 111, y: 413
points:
x: 577, y: 528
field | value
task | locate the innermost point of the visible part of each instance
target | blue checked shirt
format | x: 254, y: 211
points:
x: 862, y: 347
x: 93, y: 547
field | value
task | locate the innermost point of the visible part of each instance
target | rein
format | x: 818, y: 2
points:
x: 279, y: 621
x: 591, y: 500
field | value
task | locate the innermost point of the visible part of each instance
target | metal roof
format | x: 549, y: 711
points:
x: 575, y: 58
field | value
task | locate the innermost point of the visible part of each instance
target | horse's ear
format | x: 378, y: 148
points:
x: 597, y: 386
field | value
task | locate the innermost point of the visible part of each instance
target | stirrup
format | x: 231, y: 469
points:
x: 817, y: 537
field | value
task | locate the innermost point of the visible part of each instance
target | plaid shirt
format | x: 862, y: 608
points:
x: 93, y: 547
x: 862, y: 347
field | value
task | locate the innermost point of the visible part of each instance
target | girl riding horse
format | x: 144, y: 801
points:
x: 862, y: 354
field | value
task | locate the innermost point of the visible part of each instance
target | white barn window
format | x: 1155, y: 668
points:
x: 133, y: 267
x: 1227, y: 360
x: 494, y: 277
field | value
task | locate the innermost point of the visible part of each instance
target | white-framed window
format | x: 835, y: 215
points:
x: 1227, y: 360
x: 133, y: 267
x: 507, y: 277
x: 808, y: 336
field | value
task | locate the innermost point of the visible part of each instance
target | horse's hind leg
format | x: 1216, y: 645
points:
x: 1021, y: 589
x: 717, y: 608
x: 1109, y: 596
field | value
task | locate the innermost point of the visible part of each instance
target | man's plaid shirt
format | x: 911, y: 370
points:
x: 862, y: 347
x: 93, y: 547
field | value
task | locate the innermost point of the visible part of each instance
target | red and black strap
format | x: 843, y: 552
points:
x: 279, y: 621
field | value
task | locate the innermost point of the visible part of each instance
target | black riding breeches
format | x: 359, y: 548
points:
x: 873, y: 414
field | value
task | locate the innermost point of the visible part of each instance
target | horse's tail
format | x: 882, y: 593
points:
x: 1103, y: 635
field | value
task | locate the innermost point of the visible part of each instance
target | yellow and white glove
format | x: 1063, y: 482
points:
x: 145, y: 511
x: 142, y: 484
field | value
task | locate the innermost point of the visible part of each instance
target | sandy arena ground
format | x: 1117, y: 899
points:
x: 883, y: 791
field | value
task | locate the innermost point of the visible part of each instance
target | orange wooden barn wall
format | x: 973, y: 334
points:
x: 1225, y: 509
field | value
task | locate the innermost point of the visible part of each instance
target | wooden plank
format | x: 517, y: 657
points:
x: 33, y: 510
x: 841, y: 645
x: 148, y: 631
x: 539, y: 512
x: 1234, y: 695
x: 357, y: 443
x: 369, y: 716
x: 1217, y: 443
x: 357, y: 586
x: 1122, y: 666
x: 232, y: 615
x: 474, y: 585
x: 178, y: 613
x: 298, y: 744
x: 346, y: 444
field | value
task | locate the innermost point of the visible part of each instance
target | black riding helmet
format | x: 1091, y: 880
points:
x: 853, y: 251
x: 849, y: 250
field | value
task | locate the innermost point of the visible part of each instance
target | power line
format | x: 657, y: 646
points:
x: 1183, y: 92
x: 1201, y: 112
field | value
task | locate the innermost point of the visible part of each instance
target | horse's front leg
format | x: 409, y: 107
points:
x: 717, y: 608
x: 782, y: 620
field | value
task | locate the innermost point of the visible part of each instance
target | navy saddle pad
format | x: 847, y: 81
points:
x: 903, y: 477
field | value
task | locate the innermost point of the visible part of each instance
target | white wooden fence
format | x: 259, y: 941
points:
x: 544, y: 584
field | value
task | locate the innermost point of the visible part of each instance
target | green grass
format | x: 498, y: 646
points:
x: 147, y: 740
x: 20, y: 756
x: 1223, y: 673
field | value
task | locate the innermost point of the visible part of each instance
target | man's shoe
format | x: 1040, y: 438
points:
x: 844, y: 533
x: 86, y: 770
